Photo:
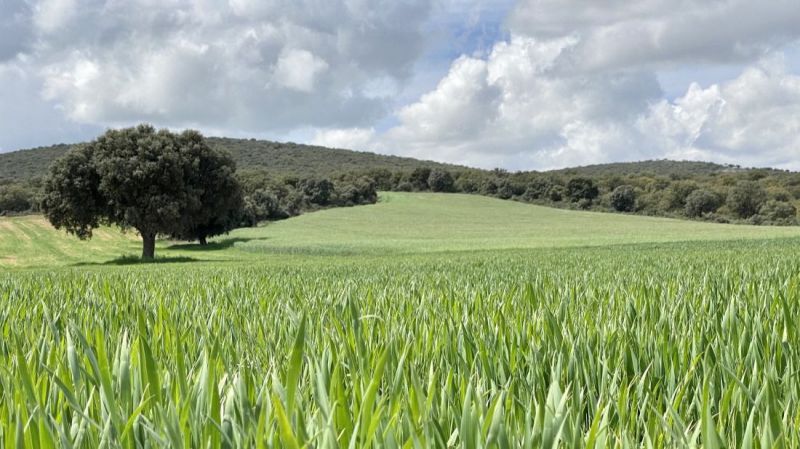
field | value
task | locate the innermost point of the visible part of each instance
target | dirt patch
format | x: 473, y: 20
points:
x: 9, y: 260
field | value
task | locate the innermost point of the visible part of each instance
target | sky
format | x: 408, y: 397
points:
x: 514, y: 84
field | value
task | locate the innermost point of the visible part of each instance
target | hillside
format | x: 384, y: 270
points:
x: 292, y: 159
x: 661, y: 167
x: 401, y: 223
x: 283, y: 159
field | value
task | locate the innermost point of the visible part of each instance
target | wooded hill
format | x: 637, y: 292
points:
x: 274, y: 158
x: 285, y: 179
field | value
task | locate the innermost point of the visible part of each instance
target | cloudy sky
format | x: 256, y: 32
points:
x: 518, y: 84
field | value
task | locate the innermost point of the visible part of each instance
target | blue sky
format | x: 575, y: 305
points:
x: 518, y: 84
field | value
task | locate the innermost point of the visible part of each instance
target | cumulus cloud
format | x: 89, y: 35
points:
x: 562, y: 82
x: 344, y: 138
x: 516, y: 109
x: 620, y: 33
x: 241, y: 66
x: 751, y: 120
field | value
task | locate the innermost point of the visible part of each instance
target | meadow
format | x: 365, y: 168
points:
x: 422, y: 321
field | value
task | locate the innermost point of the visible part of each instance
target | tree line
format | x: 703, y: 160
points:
x: 753, y: 196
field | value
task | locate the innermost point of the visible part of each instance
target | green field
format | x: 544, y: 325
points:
x: 422, y: 321
x: 400, y: 223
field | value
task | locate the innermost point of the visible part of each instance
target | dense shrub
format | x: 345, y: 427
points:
x: 746, y: 198
x: 778, y: 212
x: 701, y: 202
x: 440, y: 181
x: 15, y: 198
x: 582, y: 189
x: 675, y: 196
x: 419, y: 178
x: 623, y: 198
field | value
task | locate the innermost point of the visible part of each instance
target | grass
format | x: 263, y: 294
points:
x: 401, y: 223
x: 683, y: 335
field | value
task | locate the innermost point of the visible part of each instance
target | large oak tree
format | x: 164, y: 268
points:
x: 156, y: 182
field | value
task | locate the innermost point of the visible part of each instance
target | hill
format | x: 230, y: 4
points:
x: 400, y: 223
x: 275, y: 158
x: 661, y: 167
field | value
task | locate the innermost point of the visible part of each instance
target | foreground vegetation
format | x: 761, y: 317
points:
x: 667, y: 345
x: 421, y: 321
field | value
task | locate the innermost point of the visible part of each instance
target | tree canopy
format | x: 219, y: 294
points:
x: 156, y: 182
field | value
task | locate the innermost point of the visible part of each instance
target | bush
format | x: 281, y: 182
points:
x: 677, y: 193
x: 556, y: 193
x: 778, y: 212
x: 15, y: 199
x: 623, y: 198
x: 405, y: 186
x: 536, y: 189
x: 746, y: 198
x: 701, y: 202
x: 582, y: 189
x: 419, y: 178
x: 440, y: 181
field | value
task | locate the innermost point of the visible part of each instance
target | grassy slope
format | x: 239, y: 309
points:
x: 399, y: 223
x: 424, y: 222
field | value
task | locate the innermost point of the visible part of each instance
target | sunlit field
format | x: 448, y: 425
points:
x: 422, y: 321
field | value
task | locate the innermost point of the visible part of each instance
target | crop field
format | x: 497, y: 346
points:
x: 425, y: 321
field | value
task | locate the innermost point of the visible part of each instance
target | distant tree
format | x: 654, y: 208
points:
x: 440, y: 181
x: 582, y: 189
x: 700, y: 202
x: 317, y: 191
x: 261, y: 205
x: 15, y: 198
x: 505, y: 188
x: 404, y: 186
x: 419, y: 178
x: 151, y: 181
x: 359, y: 191
x: 778, y: 212
x: 468, y: 183
x: 556, y: 193
x: 623, y: 198
x: 537, y: 189
x: 745, y: 198
x: 675, y: 196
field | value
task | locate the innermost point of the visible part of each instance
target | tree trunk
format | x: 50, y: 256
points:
x: 148, y: 246
x: 203, y: 241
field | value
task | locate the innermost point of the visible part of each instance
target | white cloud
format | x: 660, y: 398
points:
x: 52, y: 15
x: 246, y: 67
x: 344, y: 138
x: 567, y: 82
x: 751, y: 120
x: 298, y: 69
x: 620, y: 33
x: 515, y: 109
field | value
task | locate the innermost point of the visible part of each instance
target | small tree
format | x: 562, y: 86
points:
x: 440, y: 181
x: 746, y: 198
x: 623, y: 198
x: 419, y: 178
x: 582, y: 189
x: 152, y: 181
x: 700, y: 202
x: 317, y: 191
x: 15, y: 198
x: 675, y: 196
x: 778, y: 212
